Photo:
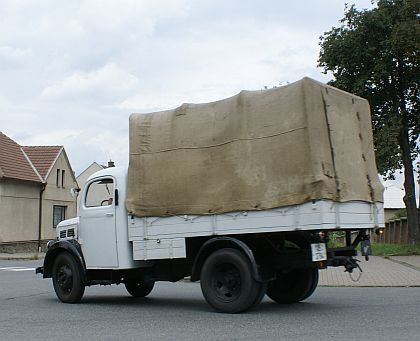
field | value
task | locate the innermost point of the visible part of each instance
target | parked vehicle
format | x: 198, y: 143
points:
x: 239, y: 194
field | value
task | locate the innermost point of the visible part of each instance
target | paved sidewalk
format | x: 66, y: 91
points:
x: 413, y: 261
x: 377, y: 272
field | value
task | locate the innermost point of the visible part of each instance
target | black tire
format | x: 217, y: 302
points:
x: 315, y: 279
x: 294, y: 286
x: 137, y: 288
x: 227, y: 283
x: 261, y: 296
x: 67, y: 278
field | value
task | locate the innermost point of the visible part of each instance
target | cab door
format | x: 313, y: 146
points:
x: 97, y: 233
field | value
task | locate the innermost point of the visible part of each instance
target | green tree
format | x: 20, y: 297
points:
x: 376, y: 55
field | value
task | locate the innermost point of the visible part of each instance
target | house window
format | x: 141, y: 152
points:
x: 57, y: 180
x: 62, y: 178
x: 59, y: 214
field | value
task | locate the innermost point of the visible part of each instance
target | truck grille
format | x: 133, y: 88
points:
x: 63, y: 234
x: 70, y: 233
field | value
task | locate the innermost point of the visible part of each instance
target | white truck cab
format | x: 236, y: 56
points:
x: 103, y: 237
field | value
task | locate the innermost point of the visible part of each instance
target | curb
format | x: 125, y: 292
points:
x: 368, y: 286
x: 402, y: 263
x: 12, y: 256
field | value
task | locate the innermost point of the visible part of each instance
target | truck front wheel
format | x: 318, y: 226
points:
x: 139, y: 288
x: 227, y: 283
x: 294, y: 286
x: 67, y: 278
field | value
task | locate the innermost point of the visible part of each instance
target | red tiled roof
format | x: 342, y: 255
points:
x: 42, y: 157
x: 13, y: 162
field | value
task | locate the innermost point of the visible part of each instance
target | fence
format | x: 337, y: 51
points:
x: 395, y: 232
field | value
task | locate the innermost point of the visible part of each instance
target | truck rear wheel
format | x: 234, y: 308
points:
x: 67, y: 279
x: 294, y: 286
x: 227, y: 283
x: 314, y: 284
x: 139, y: 288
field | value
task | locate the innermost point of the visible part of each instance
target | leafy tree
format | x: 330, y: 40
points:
x: 376, y: 55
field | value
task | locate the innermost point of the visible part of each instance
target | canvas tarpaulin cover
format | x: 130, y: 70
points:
x: 254, y: 151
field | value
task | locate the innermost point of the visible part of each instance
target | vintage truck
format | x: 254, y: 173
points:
x: 240, y: 194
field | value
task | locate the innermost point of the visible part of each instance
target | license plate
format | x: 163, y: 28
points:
x: 319, y: 252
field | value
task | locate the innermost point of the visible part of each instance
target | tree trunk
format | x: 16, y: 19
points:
x: 409, y: 186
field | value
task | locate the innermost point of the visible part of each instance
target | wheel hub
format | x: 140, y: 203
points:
x: 227, y: 282
x: 65, y: 278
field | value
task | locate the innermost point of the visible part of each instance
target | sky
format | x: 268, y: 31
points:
x: 71, y: 72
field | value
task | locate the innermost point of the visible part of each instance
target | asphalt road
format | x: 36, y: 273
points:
x: 29, y: 310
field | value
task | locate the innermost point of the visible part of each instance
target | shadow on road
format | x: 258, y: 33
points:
x: 189, y: 304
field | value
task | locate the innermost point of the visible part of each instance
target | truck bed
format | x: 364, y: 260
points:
x: 164, y: 237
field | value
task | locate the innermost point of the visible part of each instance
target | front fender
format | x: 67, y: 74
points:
x: 70, y: 246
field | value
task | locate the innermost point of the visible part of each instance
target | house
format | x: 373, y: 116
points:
x: 83, y: 176
x: 35, y: 196
x: 393, y: 202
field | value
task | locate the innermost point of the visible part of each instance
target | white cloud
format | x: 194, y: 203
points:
x: 55, y: 138
x: 97, y: 15
x: 106, y: 83
x: 12, y: 56
x: 219, y: 60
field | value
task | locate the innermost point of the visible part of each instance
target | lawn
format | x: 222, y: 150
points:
x: 395, y: 249
x: 378, y: 249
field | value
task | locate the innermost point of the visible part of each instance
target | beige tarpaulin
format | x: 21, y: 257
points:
x: 253, y: 151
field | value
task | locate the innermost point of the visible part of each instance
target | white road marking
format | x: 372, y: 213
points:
x: 17, y: 268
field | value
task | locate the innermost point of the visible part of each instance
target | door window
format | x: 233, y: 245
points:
x: 100, y: 193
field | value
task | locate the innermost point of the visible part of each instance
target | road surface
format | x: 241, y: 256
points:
x: 29, y: 310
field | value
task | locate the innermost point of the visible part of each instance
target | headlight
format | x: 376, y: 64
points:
x: 50, y: 242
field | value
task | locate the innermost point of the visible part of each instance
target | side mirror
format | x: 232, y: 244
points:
x: 74, y: 192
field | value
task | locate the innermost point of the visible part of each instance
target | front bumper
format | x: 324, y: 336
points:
x: 40, y: 269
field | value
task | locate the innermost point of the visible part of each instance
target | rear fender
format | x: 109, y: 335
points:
x: 218, y: 243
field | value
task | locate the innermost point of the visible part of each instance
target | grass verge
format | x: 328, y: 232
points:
x: 395, y: 249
